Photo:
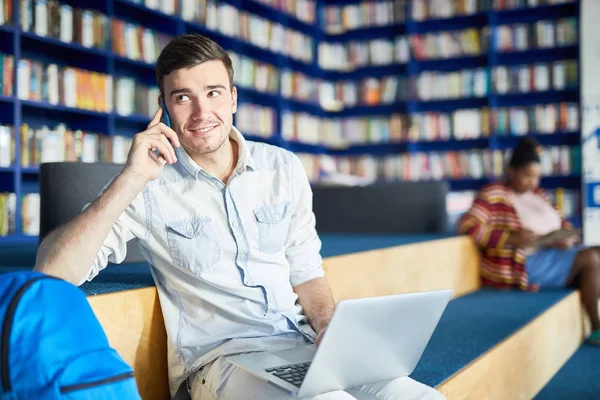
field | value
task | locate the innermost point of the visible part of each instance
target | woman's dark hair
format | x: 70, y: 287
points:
x: 525, y: 152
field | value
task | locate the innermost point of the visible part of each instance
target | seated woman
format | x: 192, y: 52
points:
x: 505, y: 220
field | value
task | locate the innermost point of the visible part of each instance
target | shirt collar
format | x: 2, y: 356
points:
x: 245, y: 159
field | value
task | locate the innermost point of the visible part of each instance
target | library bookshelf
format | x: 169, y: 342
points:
x: 387, y: 90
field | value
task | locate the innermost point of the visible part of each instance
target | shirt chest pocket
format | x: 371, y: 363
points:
x: 273, y: 222
x: 193, y: 244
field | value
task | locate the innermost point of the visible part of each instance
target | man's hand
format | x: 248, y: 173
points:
x: 321, y: 333
x: 522, y: 238
x: 142, y: 162
x: 317, y: 303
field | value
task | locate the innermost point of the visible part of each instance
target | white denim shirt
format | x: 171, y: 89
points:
x: 225, y: 258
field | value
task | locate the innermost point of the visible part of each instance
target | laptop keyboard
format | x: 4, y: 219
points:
x: 293, y: 374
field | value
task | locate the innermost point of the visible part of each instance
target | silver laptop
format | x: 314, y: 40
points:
x: 368, y: 340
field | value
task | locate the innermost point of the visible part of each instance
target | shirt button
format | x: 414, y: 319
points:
x: 277, y: 218
x: 234, y: 224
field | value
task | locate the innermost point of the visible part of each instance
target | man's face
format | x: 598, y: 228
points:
x: 201, y: 104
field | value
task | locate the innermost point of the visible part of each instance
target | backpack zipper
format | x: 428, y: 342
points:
x: 87, y: 385
x: 7, y: 329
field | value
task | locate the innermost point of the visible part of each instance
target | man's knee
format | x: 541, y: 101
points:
x: 225, y: 381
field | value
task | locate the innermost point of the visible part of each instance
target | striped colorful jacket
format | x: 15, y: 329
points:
x: 489, y: 221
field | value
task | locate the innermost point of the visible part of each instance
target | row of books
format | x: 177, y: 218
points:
x: 30, y: 214
x: 342, y: 18
x: 502, y: 121
x: 132, y: 97
x: 137, y: 42
x: 367, y: 91
x: 68, y: 86
x: 449, y: 44
x: 300, y: 87
x: 168, y: 7
x: 90, y: 28
x: 256, y: 120
x: 61, y: 143
x: 7, y: 146
x: 549, y: 119
x: 134, y: 41
x: 468, y: 164
x: 567, y: 201
x: 543, y: 34
x: 423, y: 10
x: 8, y: 212
x: 541, y: 118
x: 84, y: 89
x: 254, y: 74
x: 254, y: 29
x: 7, y: 66
x: 347, y: 56
x: 64, y: 22
x: 341, y: 132
x: 304, y: 10
x: 366, y: 14
x: 435, y: 85
x: 6, y: 12
x: 95, y: 91
x: 40, y: 144
x: 558, y: 75
x: 515, y: 4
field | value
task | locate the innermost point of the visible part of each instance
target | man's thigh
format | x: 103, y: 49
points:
x: 224, y: 381
x: 401, y: 388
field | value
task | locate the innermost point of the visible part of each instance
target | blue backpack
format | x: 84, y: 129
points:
x: 53, y: 347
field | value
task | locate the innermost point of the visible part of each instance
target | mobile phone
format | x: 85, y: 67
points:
x: 165, y: 117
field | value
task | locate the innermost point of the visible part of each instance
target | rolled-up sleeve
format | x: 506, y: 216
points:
x: 130, y: 225
x: 303, y: 245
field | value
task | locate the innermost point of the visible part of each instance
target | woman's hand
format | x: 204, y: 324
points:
x: 522, y: 238
x: 565, y: 244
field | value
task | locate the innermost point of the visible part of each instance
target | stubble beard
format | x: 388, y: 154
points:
x: 205, y: 149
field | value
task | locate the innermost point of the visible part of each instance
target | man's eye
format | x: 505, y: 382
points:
x: 213, y: 93
x: 182, y: 97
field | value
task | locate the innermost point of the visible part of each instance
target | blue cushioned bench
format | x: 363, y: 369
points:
x: 134, y: 276
x: 471, y: 325
x: 578, y: 379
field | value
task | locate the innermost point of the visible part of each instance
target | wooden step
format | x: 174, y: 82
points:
x: 520, y: 366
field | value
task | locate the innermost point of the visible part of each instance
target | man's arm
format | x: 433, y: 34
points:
x: 69, y: 251
x: 317, y: 302
x: 303, y: 252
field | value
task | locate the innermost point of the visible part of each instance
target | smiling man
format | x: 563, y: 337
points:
x: 226, y: 225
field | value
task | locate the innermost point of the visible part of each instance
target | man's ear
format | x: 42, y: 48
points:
x: 233, y: 99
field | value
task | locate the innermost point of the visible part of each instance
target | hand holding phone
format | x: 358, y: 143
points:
x: 153, y: 148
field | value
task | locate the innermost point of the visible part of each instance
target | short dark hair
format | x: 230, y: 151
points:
x: 526, y: 151
x: 187, y: 51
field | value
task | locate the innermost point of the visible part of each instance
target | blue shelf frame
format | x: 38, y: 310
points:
x: 104, y: 60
